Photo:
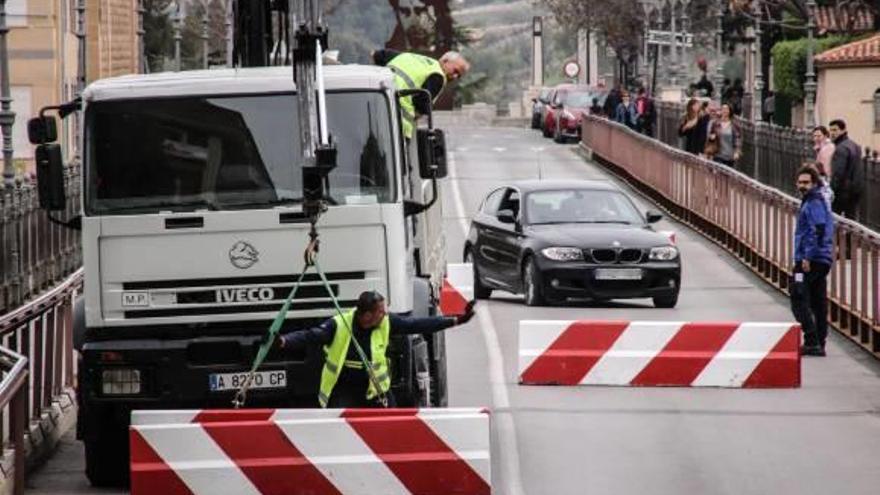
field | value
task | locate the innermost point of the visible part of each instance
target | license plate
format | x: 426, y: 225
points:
x: 218, y: 382
x: 618, y: 274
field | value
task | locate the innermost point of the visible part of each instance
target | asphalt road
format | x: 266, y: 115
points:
x: 819, y: 439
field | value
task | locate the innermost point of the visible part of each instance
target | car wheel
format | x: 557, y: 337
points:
x: 666, y: 301
x: 557, y: 136
x: 480, y: 290
x: 532, y: 284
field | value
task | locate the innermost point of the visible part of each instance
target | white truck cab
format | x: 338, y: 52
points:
x: 193, y: 235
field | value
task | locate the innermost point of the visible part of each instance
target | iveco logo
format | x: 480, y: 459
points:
x: 245, y: 295
x: 243, y: 255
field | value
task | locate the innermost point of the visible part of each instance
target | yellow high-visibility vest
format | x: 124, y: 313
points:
x: 338, y: 350
x: 411, y: 70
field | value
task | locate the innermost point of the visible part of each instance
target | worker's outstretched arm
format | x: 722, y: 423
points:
x: 430, y: 324
x: 300, y: 339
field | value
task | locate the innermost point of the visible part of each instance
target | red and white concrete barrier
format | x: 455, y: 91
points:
x: 653, y: 353
x: 341, y: 451
x: 458, y: 288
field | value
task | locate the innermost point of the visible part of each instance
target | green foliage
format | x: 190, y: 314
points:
x: 790, y: 63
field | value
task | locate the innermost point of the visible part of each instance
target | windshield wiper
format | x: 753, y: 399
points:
x: 189, y: 205
x: 622, y: 222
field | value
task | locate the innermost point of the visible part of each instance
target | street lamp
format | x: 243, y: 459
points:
x: 646, y: 7
x: 756, y: 57
x: 142, y: 49
x: 673, y: 63
x: 810, y: 84
x: 7, y: 116
x: 229, y: 33
x: 719, y: 50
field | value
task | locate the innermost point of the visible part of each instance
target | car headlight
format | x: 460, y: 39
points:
x: 563, y: 254
x: 664, y: 253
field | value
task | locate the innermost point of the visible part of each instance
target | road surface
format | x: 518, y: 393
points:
x: 819, y: 439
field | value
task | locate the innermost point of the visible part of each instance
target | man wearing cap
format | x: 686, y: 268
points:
x: 344, y: 381
x: 414, y: 71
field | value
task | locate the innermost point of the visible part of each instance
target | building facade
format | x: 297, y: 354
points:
x: 43, y: 55
x: 849, y: 89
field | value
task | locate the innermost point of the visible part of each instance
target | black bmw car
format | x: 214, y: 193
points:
x: 559, y: 240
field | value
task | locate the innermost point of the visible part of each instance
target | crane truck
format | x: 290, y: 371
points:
x: 198, y: 197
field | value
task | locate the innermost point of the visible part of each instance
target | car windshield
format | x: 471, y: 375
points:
x: 580, y: 206
x: 577, y: 99
x: 229, y: 152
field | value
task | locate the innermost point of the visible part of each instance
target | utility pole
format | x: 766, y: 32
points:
x: 583, y: 48
x: 230, y: 47
x: 757, y: 102
x: 178, y: 36
x: 810, y: 80
x: 646, y: 8
x: 7, y: 116
x: 205, y: 35
x: 142, y: 48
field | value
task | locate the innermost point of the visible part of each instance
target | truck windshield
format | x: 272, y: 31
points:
x: 229, y: 152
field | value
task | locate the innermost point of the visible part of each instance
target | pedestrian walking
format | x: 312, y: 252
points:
x: 823, y: 148
x: 612, y: 101
x: 813, y: 248
x: 647, y: 114
x: 727, y: 136
x: 824, y: 182
x: 626, y: 112
x: 847, y: 173
x: 596, y: 109
x: 769, y: 107
x: 693, y: 127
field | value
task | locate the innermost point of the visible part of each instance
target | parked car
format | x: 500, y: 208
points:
x: 557, y: 101
x: 554, y: 241
x: 575, y: 105
x: 539, y: 107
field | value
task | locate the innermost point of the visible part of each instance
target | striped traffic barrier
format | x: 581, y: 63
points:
x: 336, y: 451
x: 458, y: 288
x: 654, y: 353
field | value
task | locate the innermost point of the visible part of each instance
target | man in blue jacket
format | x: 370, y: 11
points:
x: 813, y: 251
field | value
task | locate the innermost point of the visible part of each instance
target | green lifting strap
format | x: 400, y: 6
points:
x: 275, y: 327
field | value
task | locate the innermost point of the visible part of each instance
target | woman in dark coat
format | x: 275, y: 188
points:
x: 693, y: 127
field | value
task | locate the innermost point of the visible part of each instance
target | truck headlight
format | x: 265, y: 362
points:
x: 563, y: 254
x: 120, y: 381
x: 665, y: 253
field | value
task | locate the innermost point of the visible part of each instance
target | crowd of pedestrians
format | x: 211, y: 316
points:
x: 638, y: 114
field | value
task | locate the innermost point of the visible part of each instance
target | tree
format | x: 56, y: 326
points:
x: 619, y: 22
x: 158, y: 34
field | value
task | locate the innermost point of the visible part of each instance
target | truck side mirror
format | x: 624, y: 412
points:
x: 42, y: 130
x: 432, y: 153
x: 50, y: 177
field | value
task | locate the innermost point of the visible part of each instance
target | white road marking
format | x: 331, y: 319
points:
x: 499, y: 149
x: 508, y: 448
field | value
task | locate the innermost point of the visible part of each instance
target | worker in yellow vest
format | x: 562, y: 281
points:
x: 412, y: 71
x: 344, y: 381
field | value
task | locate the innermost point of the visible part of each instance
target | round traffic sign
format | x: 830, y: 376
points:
x: 571, y: 69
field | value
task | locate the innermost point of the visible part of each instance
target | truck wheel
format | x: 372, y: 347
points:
x: 107, y: 460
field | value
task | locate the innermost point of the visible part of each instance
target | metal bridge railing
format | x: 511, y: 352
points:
x: 34, y: 252
x: 37, y: 361
x: 772, y: 154
x: 754, y: 222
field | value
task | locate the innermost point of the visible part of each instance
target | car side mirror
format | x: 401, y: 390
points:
x: 653, y: 217
x: 506, y: 216
x: 50, y: 177
x: 432, y: 153
x: 42, y: 130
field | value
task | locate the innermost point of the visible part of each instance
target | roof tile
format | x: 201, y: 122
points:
x: 862, y: 52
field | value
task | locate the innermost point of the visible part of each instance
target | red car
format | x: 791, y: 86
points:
x: 568, y: 105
